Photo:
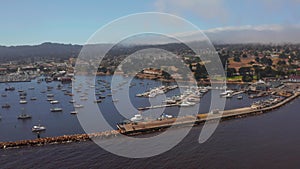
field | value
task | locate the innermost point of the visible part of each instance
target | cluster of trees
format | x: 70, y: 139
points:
x: 200, y: 72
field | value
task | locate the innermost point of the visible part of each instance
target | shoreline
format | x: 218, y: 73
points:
x: 180, y: 121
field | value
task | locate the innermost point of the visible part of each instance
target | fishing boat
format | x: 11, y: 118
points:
x: 38, y: 128
x: 74, y: 112
x: 9, y: 89
x: 101, y: 97
x: 24, y: 116
x: 98, y: 101
x: 6, y: 106
x: 56, y: 109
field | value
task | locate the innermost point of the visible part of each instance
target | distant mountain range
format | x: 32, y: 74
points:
x: 38, y: 52
x: 56, y: 51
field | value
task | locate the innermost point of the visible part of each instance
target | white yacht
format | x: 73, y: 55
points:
x: 54, y: 102
x: 137, y: 118
x: 72, y: 101
x: 78, y: 106
x: 23, y: 101
x: 38, y: 128
x: 228, y: 95
x: 186, y: 104
x: 226, y: 92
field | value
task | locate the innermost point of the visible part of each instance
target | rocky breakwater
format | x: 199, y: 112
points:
x: 58, y: 139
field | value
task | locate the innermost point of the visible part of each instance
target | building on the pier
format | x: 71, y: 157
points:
x: 259, y: 86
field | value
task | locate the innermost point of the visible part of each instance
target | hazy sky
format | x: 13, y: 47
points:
x: 35, y: 21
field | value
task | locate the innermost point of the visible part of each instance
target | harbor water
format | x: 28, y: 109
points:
x: 269, y: 140
x: 265, y: 141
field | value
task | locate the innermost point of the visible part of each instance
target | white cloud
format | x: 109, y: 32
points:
x: 250, y: 34
x: 205, y: 9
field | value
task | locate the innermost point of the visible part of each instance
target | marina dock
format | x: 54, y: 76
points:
x: 136, y: 128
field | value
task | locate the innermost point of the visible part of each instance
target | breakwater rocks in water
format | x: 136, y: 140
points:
x: 59, y: 139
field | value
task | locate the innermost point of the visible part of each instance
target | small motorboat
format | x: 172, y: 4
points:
x: 24, y: 116
x: 74, y: 112
x: 9, y: 89
x: 239, y: 97
x: 50, y: 95
x: 33, y: 98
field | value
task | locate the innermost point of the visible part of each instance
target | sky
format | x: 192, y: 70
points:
x: 33, y: 22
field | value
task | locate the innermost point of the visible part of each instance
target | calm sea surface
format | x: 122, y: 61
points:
x: 270, y: 140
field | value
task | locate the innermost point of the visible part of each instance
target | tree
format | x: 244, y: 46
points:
x: 281, y: 62
x: 231, y: 72
x: 257, y: 71
x: 244, y: 55
x: 166, y: 75
x: 245, y: 71
x: 191, y: 67
x: 257, y: 59
x: 266, y: 61
x: 282, y: 56
x: 247, y: 78
x: 236, y: 59
x: 200, y: 72
x: 268, y: 72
